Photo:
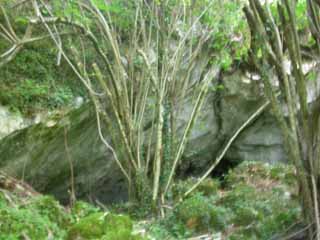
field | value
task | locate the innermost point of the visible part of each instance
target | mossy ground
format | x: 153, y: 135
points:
x: 255, y: 201
x: 44, y: 218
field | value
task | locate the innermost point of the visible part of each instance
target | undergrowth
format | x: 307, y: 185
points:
x: 257, y: 201
x: 33, y: 82
x: 44, y: 218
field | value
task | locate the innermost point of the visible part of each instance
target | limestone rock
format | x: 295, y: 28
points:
x: 38, y: 154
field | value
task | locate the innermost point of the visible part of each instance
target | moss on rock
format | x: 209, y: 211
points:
x: 89, y: 227
x: 105, y: 226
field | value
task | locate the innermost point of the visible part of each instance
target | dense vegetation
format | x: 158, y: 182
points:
x: 255, y: 201
x: 33, y: 82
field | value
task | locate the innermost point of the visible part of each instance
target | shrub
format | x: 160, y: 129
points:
x: 260, y: 197
x: 199, y: 213
x: 19, y: 222
x: 48, y: 206
x: 208, y: 187
x: 105, y: 226
x: 89, y: 227
x: 82, y: 209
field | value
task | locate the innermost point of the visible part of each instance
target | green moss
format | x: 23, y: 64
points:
x: 89, y: 227
x: 33, y: 82
x: 35, y: 218
x: 117, y: 222
x: 48, y: 206
x: 42, y: 216
x: 257, y: 203
x: 30, y: 95
x: 82, y: 209
x: 119, y: 227
x: 17, y: 222
x: 105, y: 226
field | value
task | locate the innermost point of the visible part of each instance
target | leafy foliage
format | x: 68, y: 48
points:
x: 38, y: 219
x: 122, y: 12
x: 300, y: 11
x: 262, y: 198
x: 258, y: 201
x: 208, y: 187
x: 43, y: 217
x: 32, y: 82
x: 225, y: 19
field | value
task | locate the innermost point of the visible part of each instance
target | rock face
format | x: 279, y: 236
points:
x: 41, y: 154
x: 262, y: 140
x: 225, y: 111
x: 10, y: 122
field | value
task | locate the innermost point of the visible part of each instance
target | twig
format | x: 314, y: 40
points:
x: 72, y: 192
x: 225, y: 149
